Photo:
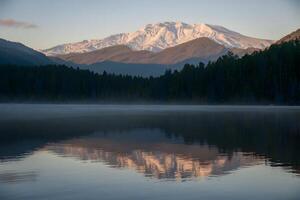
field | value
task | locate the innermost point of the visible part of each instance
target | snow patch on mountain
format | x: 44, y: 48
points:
x: 156, y: 37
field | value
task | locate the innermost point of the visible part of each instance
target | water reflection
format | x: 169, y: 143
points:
x: 173, y: 143
x: 160, y: 158
x: 15, y: 177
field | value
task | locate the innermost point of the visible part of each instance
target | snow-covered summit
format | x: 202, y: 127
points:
x: 159, y: 36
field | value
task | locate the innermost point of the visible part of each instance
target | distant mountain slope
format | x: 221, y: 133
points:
x: 133, y: 69
x: 242, y: 52
x: 203, y: 48
x: 119, y: 53
x: 119, y: 59
x: 19, y: 54
x: 156, y: 37
x: 144, y: 70
x: 293, y: 36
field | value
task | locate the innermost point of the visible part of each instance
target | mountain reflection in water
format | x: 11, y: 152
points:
x: 166, y: 142
x: 159, y: 158
x: 137, y: 152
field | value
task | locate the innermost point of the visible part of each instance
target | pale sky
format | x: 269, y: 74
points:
x: 42, y: 24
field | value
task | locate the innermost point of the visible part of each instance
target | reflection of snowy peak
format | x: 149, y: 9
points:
x: 161, y: 165
x: 156, y: 37
x: 152, y: 153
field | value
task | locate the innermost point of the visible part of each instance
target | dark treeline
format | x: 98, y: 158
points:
x: 270, y: 76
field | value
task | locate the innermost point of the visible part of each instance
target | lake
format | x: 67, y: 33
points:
x: 50, y: 151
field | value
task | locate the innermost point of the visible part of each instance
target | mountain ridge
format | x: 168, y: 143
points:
x: 202, y: 48
x: 159, y: 36
x: 17, y: 53
x: 14, y: 53
x: 292, y: 36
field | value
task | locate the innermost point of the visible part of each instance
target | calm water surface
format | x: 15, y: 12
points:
x: 149, y: 152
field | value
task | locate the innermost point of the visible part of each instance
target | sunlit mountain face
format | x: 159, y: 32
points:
x: 154, y: 155
x: 159, y: 36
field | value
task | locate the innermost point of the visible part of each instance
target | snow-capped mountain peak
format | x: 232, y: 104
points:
x: 159, y: 36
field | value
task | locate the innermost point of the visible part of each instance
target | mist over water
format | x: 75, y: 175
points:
x: 147, y: 152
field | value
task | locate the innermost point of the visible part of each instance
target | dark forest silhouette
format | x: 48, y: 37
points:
x: 269, y: 76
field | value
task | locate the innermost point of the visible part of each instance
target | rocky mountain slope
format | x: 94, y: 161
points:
x: 156, y: 37
x: 201, y: 48
x: 293, y: 36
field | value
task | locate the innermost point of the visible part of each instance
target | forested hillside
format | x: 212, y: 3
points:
x: 270, y: 76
